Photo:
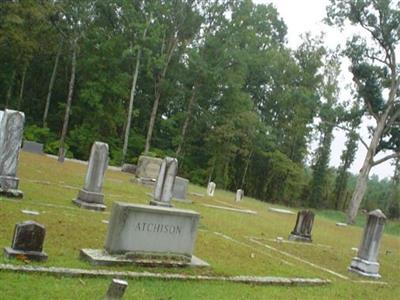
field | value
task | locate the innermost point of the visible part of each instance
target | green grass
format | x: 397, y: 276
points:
x: 70, y: 229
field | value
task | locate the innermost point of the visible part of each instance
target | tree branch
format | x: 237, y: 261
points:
x: 393, y: 155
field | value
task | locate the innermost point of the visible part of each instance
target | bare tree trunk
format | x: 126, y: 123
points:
x: 51, y: 85
x: 362, y: 180
x: 187, y: 119
x: 22, y: 86
x: 157, y: 97
x: 61, y: 150
x: 132, y: 97
x: 9, y: 90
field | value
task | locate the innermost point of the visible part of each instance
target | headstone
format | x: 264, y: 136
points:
x: 148, y: 167
x: 129, y: 168
x: 239, y: 195
x: 303, y: 227
x: 145, y: 234
x: 27, y: 242
x: 165, y: 181
x: 366, y: 261
x: 11, y: 130
x: 179, y: 190
x: 211, y: 189
x: 91, y: 197
x: 32, y: 147
x: 116, y: 289
x: 1, y: 114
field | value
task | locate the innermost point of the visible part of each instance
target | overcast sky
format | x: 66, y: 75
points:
x: 303, y: 16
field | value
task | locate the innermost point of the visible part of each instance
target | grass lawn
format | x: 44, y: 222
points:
x: 233, y: 244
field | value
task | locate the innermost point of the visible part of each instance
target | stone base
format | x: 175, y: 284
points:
x: 364, y: 267
x: 183, y: 200
x: 9, y: 183
x: 31, y: 255
x: 11, y: 193
x: 87, y: 205
x: 159, y: 203
x: 90, y: 197
x: 100, y: 257
x: 299, y: 238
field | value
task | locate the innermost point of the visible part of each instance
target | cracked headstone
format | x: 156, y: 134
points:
x: 303, y: 227
x: 116, y: 289
x: 27, y: 242
x: 162, y: 194
x: 211, y: 189
x: 366, y: 261
x: 11, y: 131
x: 91, y: 196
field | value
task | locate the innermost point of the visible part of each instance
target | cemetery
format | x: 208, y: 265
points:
x: 199, y: 149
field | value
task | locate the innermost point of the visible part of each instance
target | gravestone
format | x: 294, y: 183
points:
x: 303, y: 227
x: 129, y: 168
x: 179, y: 190
x: 90, y: 197
x: 148, y: 168
x: 32, y: 147
x: 116, y: 289
x: 27, y: 242
x: 11, y: 130
x: 211, y: 189
x: 239, y: 195
x: 162, y: 194
x: 148, y: 235
x: 366, y: 261
x: 1, y: 114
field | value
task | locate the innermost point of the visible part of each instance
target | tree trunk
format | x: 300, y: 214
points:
x: 362, y: 180
x: 61, y: 150
x: 21, y: 88
x: 9, y: 90
x: 246, y: 169
x: 187, y: 119
x: 51, y: 85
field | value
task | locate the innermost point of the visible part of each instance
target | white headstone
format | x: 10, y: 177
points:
x: 211, y: 189
x: 239, y: 195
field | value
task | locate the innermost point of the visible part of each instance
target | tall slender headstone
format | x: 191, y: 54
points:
x: 239, y: 195
x: 116, y: 289
x: 366, y: 261
x: 303, y: 227
x: 27, y: 241
x: 11, y: 131
x: 165, y: 182
x: 211, y: 189
x: 91, y: 197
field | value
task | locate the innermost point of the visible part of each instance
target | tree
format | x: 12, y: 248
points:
x: 376, y: 76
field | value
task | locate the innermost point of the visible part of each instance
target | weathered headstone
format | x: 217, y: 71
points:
x: 129, y: 168
x: 91, y: 197
x: 366, y: 261
x: 145, y: 234
x: 162, y: 194
x: 303, y: 227
x: 239, y: 195
x: 32, y: 147
x: 11, y: 130
x: 148, y: 167
x: 211, y: 189
x: 27, y: 242
x: 179, y: 190
x: 116, y: 289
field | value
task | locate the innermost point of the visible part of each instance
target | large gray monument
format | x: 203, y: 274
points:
x: 162, y: 194
x: 148, y: 235
x: 27, y: 241
x: 91, y: 197
x: 11, y: 131
x: 303, y: 227
x: 366, y: 261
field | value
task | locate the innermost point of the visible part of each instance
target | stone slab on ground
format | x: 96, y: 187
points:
x: 281, y: 210
x: 100, y: 257
x: 72, y: 272
x: 87, y: 205
x: 238, y: 210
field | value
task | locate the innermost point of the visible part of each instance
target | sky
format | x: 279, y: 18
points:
x: 302, y: 16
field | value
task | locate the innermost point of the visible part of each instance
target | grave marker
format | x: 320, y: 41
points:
x: 27, y: 241
x: 148, y: 168
x: 239, y: 195
x: 366, y: 261
x: 33, y: 147
x: 303, y: 227
x: 90, y: 196
x: 116, y: 289
x: 162, y: 194
x: 179, y: 190
x: 211, y: 189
